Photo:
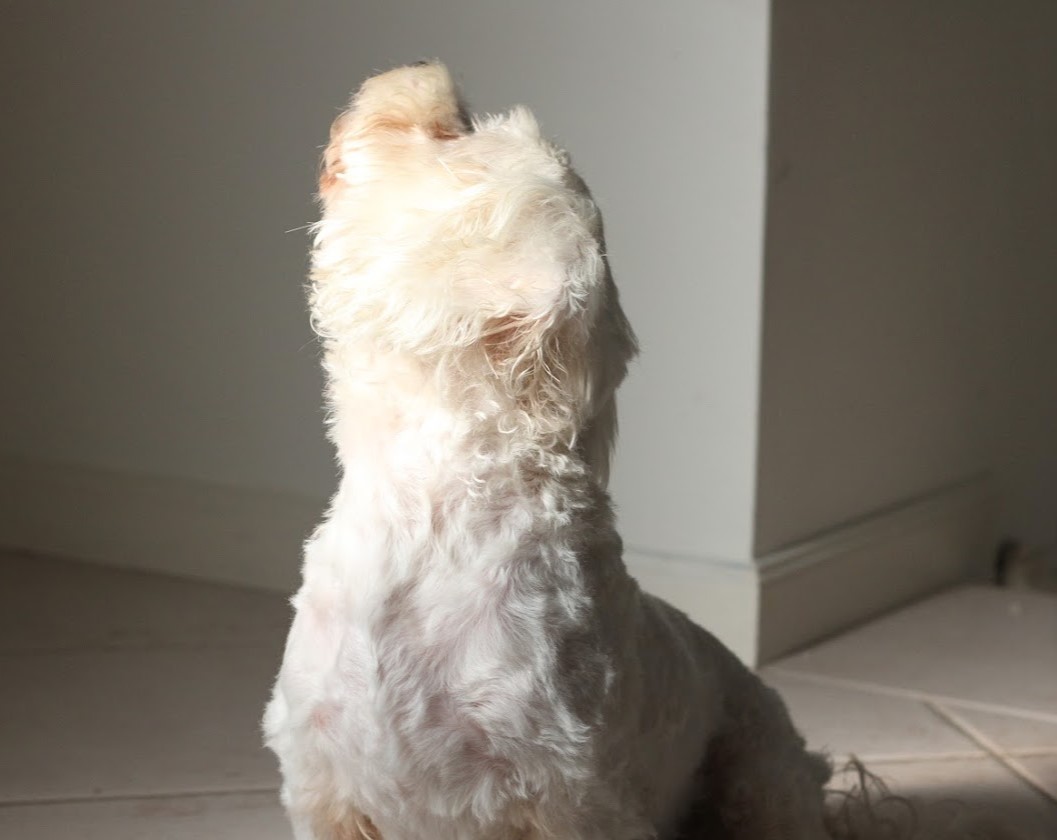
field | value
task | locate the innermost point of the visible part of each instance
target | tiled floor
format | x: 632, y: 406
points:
x: 953, y: 697
x: 129, y: 703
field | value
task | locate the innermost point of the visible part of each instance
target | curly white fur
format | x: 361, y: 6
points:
x: 469, y: 658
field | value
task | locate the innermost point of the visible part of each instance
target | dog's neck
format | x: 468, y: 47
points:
x: 393, y: 422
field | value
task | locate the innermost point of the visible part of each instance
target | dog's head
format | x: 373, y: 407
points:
x: 471, y: 247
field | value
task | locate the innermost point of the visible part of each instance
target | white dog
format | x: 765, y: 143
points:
x: 470, y: 660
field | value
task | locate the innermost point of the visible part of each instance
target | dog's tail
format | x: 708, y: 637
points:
x: 868, y: 810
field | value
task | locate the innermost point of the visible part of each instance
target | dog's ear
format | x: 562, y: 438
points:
x: 611, y: 347
x: 419, y: 98
x: 534, y: 331
x: 539, y: 363
x: 562, y: 351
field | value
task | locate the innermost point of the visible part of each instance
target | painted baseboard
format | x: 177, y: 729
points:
x: 760, y: 609
x: 851, y: 574
x: 161, y: 524
x: 720, y: 596
x: 772, y: 605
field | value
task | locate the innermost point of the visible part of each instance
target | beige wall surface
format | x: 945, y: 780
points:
x: 910, y: 313
x: 153, y: 320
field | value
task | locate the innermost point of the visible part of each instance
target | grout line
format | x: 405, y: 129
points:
x: 1010, y: 763
x: 1030, y: 752
x: 840, y: 759
x: 900, y: 758
x: 131, y: 797
x: 913, y: 694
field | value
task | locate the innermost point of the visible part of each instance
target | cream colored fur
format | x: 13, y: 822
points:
x: 469, y: 659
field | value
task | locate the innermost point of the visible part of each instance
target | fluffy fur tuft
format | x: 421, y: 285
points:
x: 469, y: 658
x: 868, y: 810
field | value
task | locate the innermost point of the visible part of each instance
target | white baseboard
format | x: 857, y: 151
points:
x: 171, y: 525
x: 858, y: 571
x: 772, y: 605
x: 722, y: 597
x: 760, y: 609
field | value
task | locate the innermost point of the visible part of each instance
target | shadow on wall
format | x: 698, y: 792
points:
x: 909, y: 295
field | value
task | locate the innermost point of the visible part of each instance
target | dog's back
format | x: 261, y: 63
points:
x: 469, y: 659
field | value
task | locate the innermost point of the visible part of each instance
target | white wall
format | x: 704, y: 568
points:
x: 911, y: 296
x: 153, y: 319
x: 1021, y: 299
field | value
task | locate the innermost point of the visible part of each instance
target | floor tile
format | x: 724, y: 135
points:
x: 50, y: 604
x: 134, y: 722
x: 1015, y: 735
x: 981, y: 644
x: 1043, y: 770
x: 870, y: 726
x: 976, y: 789
x: 229, y: 817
